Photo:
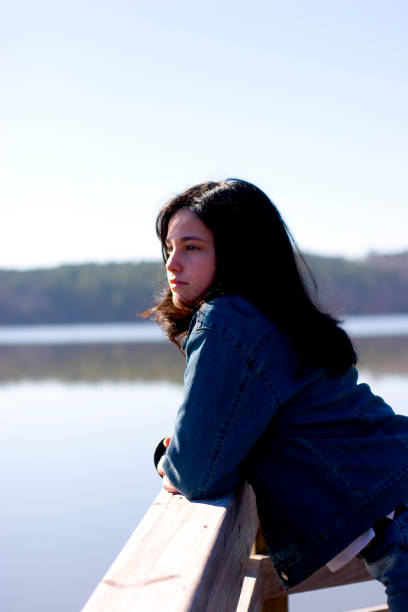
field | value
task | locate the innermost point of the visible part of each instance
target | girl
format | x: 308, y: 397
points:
x: 271, y: 393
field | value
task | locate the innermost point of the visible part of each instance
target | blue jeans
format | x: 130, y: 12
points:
x: 387, y: 561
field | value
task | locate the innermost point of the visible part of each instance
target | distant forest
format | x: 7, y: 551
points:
x: 118, y: 292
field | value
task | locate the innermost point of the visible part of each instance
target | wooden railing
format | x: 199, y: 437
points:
x: 202, y: 556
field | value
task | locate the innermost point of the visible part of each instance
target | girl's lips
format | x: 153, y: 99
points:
x: 177, y: 283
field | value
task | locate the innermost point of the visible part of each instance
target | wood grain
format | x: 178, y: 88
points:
x: 183, y: 556
x: 196, y: 557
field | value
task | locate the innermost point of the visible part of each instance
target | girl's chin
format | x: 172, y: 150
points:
x: 183, y: 303
x: 179, y: 303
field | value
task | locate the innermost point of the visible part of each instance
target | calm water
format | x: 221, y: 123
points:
x: 81, y: 411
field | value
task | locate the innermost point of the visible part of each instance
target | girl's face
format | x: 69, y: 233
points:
x: 191, y: 257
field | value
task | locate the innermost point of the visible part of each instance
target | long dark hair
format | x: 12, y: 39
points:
x: 258, y: 259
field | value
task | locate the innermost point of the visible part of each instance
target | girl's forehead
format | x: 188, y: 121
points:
x: 186, y: 224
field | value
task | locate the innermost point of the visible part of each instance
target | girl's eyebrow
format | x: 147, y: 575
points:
x: 186, y: 238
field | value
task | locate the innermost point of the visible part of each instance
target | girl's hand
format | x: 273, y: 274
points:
x: 168, y: 486
x: 160, y: 453
x: 166, y: 482
x: 160, y: 466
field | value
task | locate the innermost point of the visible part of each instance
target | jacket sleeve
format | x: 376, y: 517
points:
x: 225, y: 409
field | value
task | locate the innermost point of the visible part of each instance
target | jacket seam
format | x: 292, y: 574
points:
x: 227, y: 423
x: 196, y: 330
x: 250, y: 371
x: 250, y: 361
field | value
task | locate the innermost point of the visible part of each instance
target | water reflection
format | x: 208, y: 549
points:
x: 92, y: 363
x: 383, y: 355
x: 78, y: 476
x: 152, y: 361
x: 79, y: 454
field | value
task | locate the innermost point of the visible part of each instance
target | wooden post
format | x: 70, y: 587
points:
x: 277, y: 604
x: 269, y: 604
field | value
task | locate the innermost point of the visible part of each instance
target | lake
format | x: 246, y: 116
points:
x: 82, y: 408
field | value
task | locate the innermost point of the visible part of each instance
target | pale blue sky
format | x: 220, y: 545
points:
x: 108, y: 108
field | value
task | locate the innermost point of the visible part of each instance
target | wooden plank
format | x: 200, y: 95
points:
x: 260, y: 547
x: 193, y: 557
x: 251, y: 593
x: 382, y: 608
x: 220, y: 587
x: 276, y: 604
x: 353, y: 572
x: 184, y: 556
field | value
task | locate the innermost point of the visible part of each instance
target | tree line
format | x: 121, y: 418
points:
x: 120, y: 291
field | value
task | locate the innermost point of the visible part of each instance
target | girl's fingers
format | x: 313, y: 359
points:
x: 160, y: 466
x: 168, y: 486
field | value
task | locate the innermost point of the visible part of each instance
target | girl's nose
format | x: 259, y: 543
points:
x: 173, y: 262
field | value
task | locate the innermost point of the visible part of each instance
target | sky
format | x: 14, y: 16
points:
x: 109, y: 108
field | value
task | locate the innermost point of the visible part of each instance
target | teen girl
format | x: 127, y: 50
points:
x: 271, y: 394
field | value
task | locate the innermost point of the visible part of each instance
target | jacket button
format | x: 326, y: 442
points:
x: 284, y: 576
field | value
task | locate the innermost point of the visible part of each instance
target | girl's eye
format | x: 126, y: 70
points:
x: 191, y: 247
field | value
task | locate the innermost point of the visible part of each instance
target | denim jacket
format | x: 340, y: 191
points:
x: 326, y: 458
